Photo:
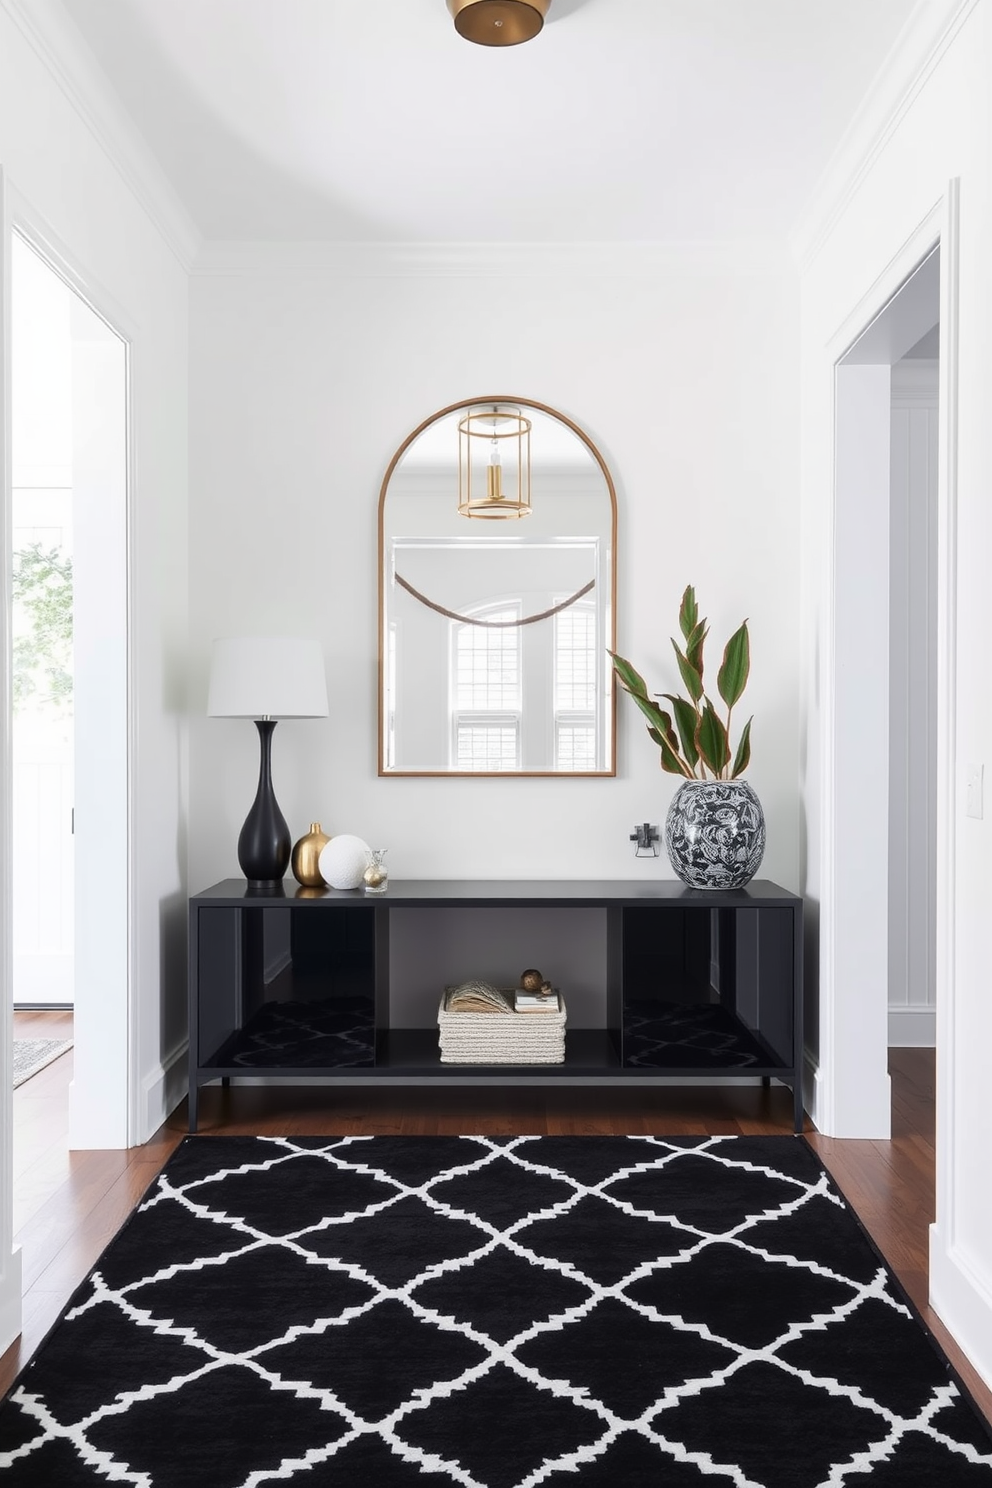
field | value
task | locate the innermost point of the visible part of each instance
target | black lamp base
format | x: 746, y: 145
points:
x: 264, y: 845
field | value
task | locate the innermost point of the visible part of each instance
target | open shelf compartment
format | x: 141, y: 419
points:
x: 289, y: 991
x: 708, y: 990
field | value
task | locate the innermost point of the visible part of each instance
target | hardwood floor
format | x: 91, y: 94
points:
x: 890, y: 1185
x: 41, y: 1118
x: 71, y: 1204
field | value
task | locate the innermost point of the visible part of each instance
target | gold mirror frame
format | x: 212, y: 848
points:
x: 611, y: 720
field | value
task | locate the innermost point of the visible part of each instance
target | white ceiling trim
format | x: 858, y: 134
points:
x: 915, y: 384
x: 57, y: 43
x: 917, y: 50
x: 378, y: 260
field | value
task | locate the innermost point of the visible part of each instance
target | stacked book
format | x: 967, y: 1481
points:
x: 481, y: 1024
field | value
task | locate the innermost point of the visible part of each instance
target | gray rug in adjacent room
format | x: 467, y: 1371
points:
x: 32, y: 1055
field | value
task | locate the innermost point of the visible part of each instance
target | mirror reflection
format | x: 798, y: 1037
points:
x: 497, y: 542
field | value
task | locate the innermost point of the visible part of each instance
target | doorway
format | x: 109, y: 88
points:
x: 41, y: 632
x: 887, y: 598
x: 68, y: 565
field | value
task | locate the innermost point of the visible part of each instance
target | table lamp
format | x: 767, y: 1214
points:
x: 266, y: 678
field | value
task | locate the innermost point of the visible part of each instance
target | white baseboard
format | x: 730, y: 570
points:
x: 962, y: 1300
x: 812, y: 1090
x: 873, y: 1124
x: 912, y: 1028
x: 163, y: 1089
x: 10, y: 1299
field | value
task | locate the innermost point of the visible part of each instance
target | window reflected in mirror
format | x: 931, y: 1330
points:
x: 497, y: 544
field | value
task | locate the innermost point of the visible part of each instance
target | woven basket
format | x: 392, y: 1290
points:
x: 502, y: 1038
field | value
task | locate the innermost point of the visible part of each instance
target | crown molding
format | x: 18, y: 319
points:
x: 447, y: 260
x: 56, y: 41
x: 916, y: 52
x: 915, y: 383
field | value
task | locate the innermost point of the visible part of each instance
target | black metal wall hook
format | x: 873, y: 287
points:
x: 646, y: 836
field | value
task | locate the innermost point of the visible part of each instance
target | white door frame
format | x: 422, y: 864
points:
x: 849, y: 937
x: 944, y: 1284
x: 10, y: 1258
x: 103, y: 1098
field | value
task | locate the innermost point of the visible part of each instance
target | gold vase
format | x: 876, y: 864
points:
x: 306, y: 855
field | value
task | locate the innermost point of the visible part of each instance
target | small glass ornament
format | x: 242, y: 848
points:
x: 376, y: 875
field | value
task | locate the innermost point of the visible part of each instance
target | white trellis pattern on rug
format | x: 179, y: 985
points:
x: 492, y: 1313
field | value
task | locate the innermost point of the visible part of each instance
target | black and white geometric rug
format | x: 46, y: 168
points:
x: 492, y: 1313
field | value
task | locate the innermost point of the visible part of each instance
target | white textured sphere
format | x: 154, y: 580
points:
x: 342, y: 861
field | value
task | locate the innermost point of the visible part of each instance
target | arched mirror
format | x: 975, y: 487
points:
x: 497, y: 604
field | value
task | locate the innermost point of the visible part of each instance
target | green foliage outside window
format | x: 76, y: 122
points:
x: 42, y: 649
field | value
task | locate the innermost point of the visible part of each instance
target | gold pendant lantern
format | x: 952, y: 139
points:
x: 494, y: 462
x: 498, y: 22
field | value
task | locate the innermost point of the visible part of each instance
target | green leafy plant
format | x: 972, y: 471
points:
x: 42, y: 649
x: 694, y: 739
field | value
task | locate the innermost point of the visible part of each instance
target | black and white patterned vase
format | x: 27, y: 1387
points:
x: 715, y: 833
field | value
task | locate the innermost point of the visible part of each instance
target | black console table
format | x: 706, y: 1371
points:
x: 296, y: 982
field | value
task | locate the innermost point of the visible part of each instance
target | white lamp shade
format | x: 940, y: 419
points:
x: 267, y: 677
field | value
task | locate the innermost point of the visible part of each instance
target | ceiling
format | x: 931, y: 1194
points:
x: 360, y: 120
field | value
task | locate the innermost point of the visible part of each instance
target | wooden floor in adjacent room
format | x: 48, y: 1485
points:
x: 69, y: 1205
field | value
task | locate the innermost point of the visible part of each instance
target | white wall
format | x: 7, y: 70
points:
x: 308, y: 372
x: 852, y: 1030
x: 940, y: 132
x: 912, y: 715
x: 98, y: 1096
x: 61, y: 180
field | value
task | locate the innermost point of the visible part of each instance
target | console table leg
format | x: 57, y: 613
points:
x: 797, y: 1105
x: 194, y: 1091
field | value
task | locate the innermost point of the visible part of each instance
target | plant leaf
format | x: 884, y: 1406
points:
x: 629, y: 676
x: 673, y: 763
x: 733, y: 674
x: 711, y: 739
x: 670, y: 737
x: 671, y: 760
x: 694, y: 646
x: 660, y: 726
x: 743, y: 756
x: 688, y: 612
x: 690, y: 676
x: 655, y: 716
x: 687, y: 720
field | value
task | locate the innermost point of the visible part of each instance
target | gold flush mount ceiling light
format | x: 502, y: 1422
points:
x: 498, y: 22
